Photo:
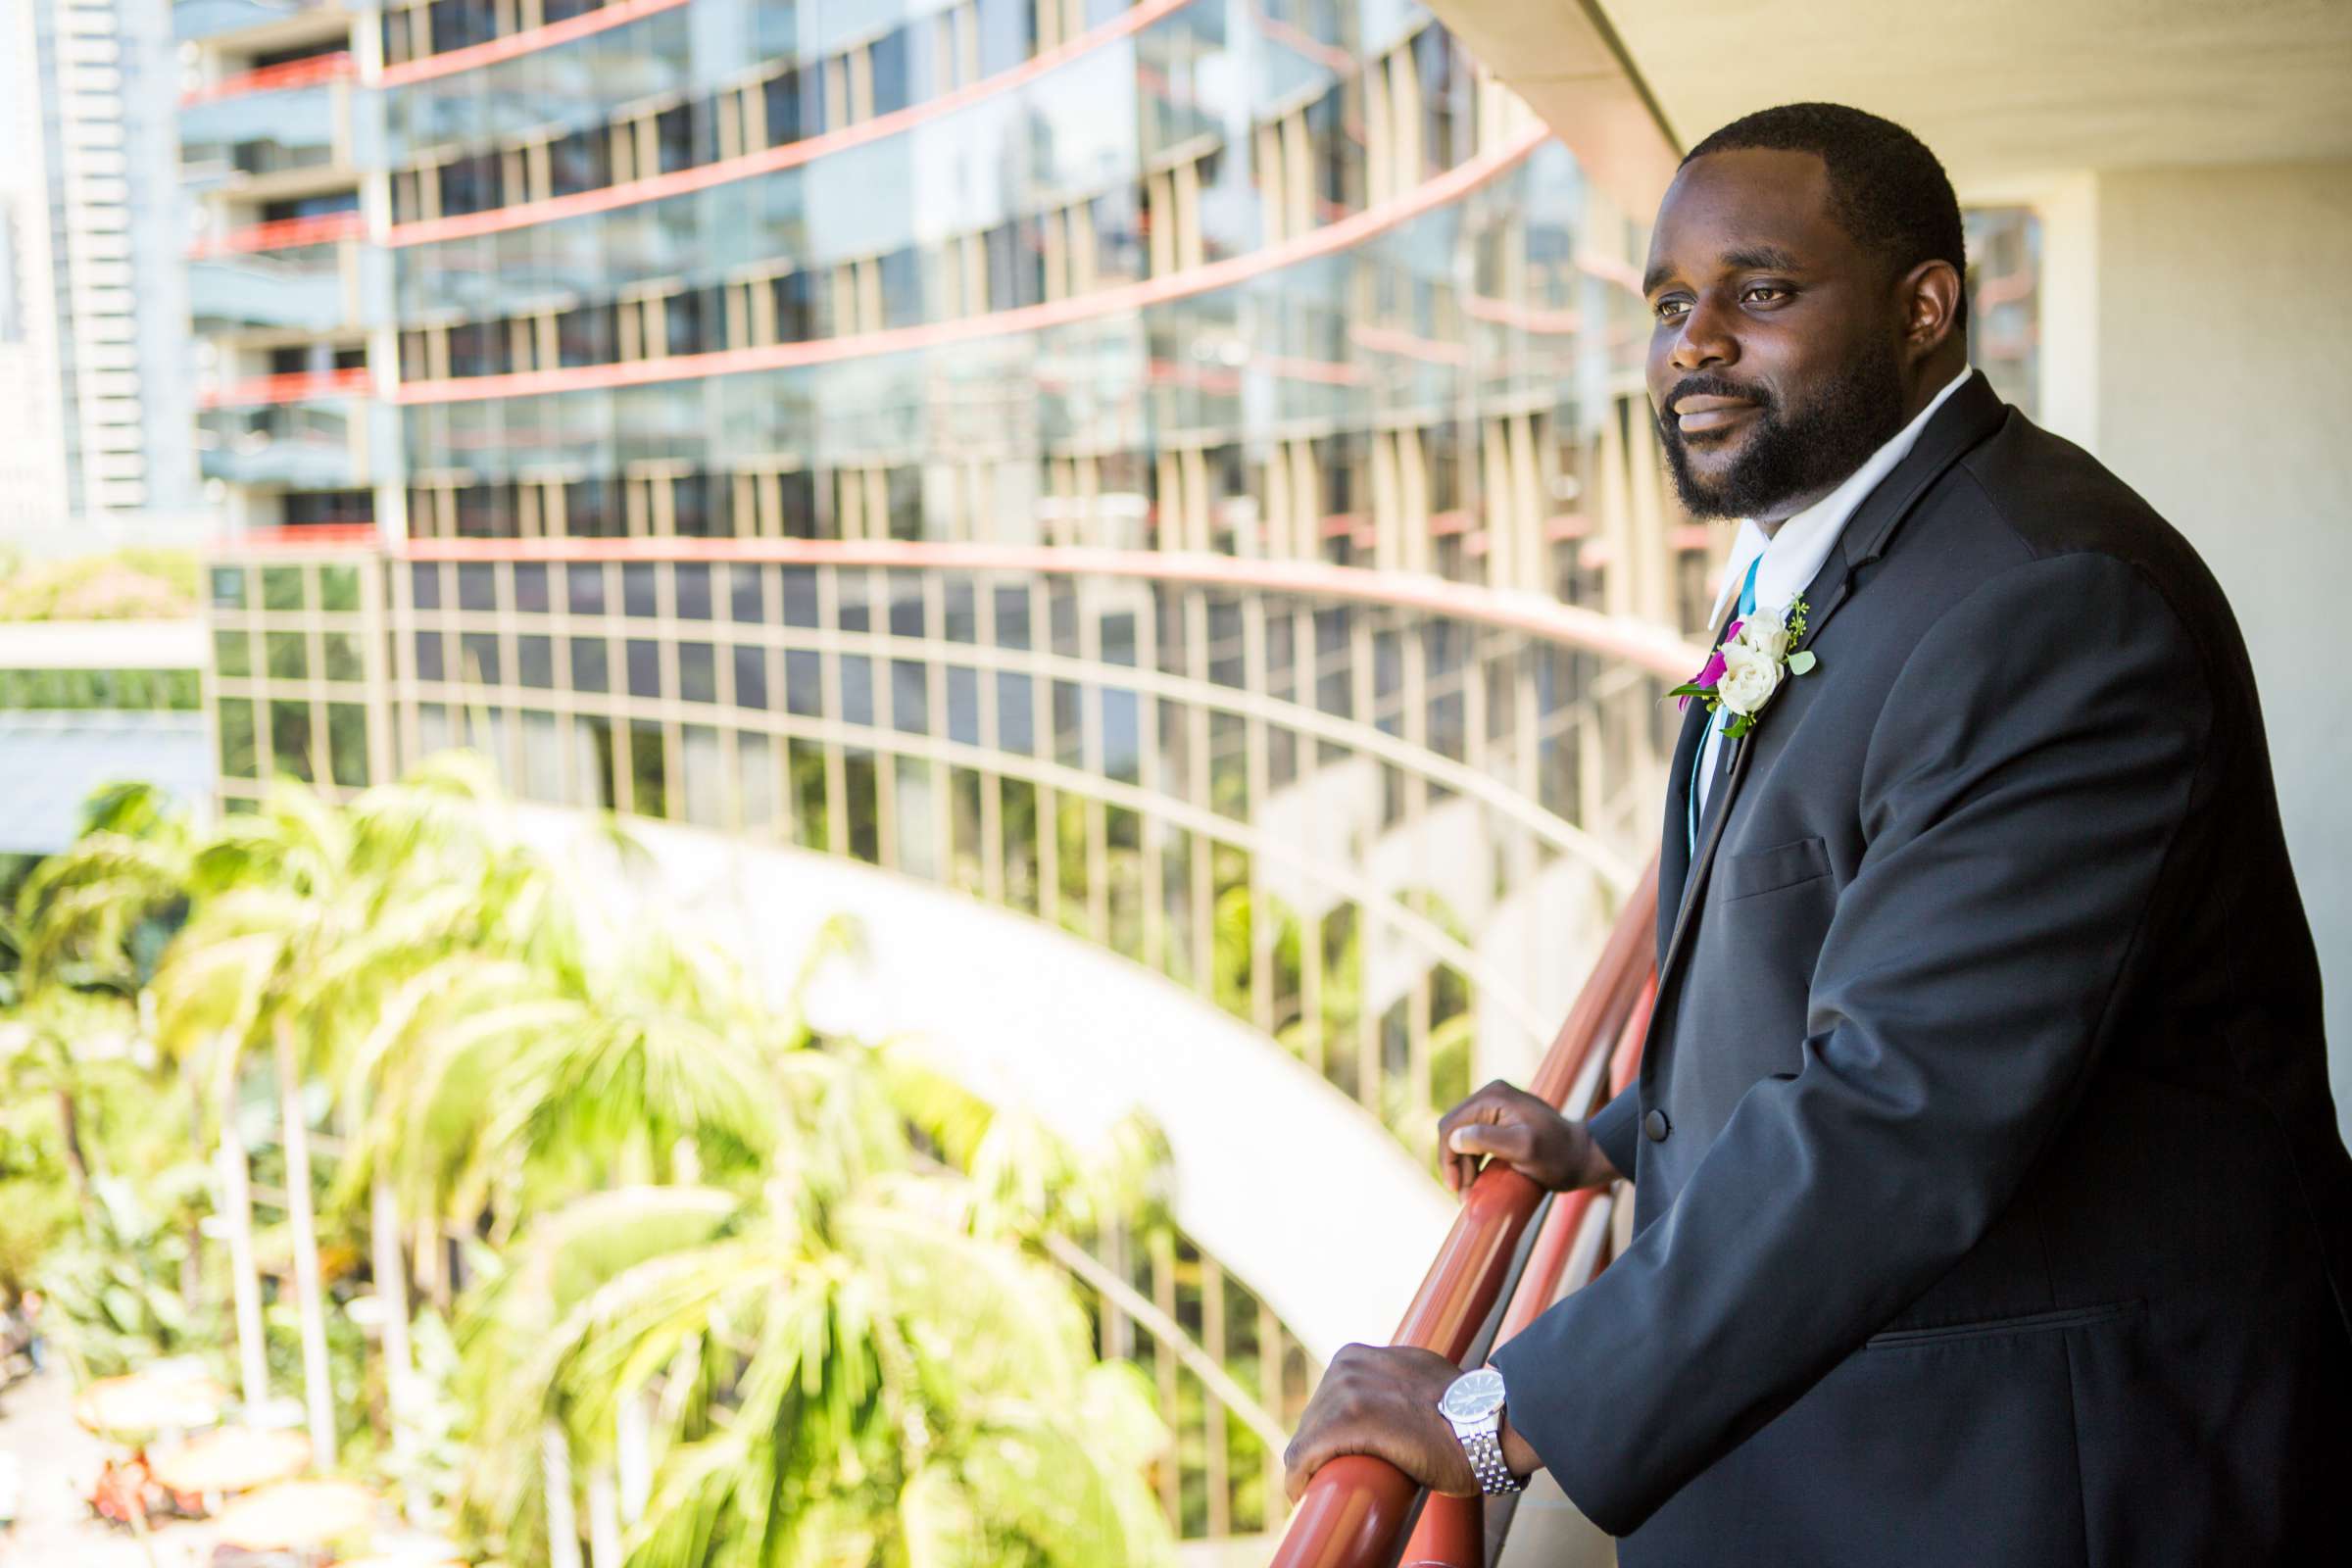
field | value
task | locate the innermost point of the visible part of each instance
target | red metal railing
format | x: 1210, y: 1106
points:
x: 292, y: 386
x: 307, y: 72
x: 283, y: 234
x: 1357, y: 1508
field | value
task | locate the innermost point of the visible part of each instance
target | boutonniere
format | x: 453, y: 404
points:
x: 1756, y: 655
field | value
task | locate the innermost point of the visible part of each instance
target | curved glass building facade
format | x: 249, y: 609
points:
x: 1179, y: 470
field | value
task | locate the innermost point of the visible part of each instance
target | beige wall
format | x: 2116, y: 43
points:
x: 2198, y: 338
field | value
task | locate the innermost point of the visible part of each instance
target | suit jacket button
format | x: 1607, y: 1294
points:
x: 1656, y: 1125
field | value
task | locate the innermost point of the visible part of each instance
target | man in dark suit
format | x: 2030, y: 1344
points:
x: 1990, y: 1203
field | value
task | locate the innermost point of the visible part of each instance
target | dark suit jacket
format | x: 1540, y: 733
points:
x: 1991, y: 1207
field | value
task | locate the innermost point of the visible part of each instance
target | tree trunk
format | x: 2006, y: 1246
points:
x: 604, y: 1518
x: 633, y: 1453
x: 69, y: 1132
x: 245, y: 1279
x: 390, y: 1266
x: 554, y: 1478
x: 311, y: 1296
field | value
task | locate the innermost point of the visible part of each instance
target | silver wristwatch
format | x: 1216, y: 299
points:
x: 1473, y: 1402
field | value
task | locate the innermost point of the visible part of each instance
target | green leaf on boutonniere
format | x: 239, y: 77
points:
x: 1739, y: 727
x: 1687, y: 689
x: 1801, y: 662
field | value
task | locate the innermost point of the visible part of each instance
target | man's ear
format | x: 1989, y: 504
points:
x: 1931, y: 295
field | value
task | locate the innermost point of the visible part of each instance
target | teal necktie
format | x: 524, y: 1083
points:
x: 1698, y: 755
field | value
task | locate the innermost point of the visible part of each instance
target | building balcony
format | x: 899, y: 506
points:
x: 336, y: 287
x: 306, y: 442
x: 193, y: 19
x: 232, y: 138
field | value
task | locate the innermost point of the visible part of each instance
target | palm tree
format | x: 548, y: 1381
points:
x: 833, y: 1378
x: 306, y: 919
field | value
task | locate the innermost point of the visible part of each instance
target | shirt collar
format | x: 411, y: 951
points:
x: 1794, y: 556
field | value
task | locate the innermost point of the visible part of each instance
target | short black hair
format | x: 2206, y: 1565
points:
x: 1885, y: 189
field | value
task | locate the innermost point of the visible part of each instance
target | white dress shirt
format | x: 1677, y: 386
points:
x: 1793, y: 557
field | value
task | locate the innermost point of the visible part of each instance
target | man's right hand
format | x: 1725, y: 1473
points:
x: 1500, y: 1122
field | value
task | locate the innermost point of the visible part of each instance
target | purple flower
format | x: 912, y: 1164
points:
x: 1714, y: 670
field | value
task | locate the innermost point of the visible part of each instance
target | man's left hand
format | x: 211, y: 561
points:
x: 1382, y: 1400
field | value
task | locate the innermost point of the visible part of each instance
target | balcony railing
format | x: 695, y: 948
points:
x: 292, y: 386
x: 284, y: 233
x: 311, y: 72
x: 1357, y: 1509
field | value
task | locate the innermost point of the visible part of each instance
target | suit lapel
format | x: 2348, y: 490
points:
x: 1674, y: 848
x: 1966, y: 418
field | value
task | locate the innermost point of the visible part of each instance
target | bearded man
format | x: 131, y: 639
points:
x: 1991, y: 1207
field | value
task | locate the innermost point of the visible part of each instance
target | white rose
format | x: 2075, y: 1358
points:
x: 1767, y: 632
x: 1748, y: 678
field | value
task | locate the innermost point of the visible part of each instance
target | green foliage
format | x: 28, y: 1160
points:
x: 813, y: 1274
x: 109, y: 690
x: 135, y: 584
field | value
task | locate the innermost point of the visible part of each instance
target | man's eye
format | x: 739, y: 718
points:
x: 1765, y: 292
x: 1672, y: 310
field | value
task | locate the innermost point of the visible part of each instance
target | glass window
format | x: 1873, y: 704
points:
x: 910, y: 697
x: 906, y: 604
x: 581, y: 161
x: 347, y: 743
x: 431, y: 665
x: 1118, y: 639
x: 893, y: 91
x: 799, y: 596
x: 786, y: 112
x: 587, y: 334
x: 691, y: 580
x: 1013, y: 618
x: 751, y: 678
x: 535, y: 660
x: 1017, y: 724
x: 290, y: 738
x: 288, y: 655
x: 647, y: 774
x: 425, y: 585
x: 584, y: 588
x: 961, y: 616
x: 637, y: 590
x: 645, y: 667
x: 229, y: 587
x: 477, y: 586
x: 964, y: 705
x: 541, y: 759
x: 755, y: 782
x: 232, y: 653
x: 698, y: 674
x: 745, y: 596
x: 341, y: 656
x: 803, y: 685
x: 1122, y: 736
x: 593, y: 763
x: 700, y: 783
x: 339, y: 588
x: 856, y: 689
x: 237, y: 755
x: 477, y: 653
x: 590, y: 666
x: 851, y: 586
x: 281, y: 587
x: 530, y: 587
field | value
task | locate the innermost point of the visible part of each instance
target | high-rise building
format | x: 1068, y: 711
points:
x: 1179, y: 470
x: 99, y: 237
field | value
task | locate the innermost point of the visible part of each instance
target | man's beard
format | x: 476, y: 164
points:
x: 1791, y: 452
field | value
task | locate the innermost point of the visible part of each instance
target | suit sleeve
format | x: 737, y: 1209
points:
x: 1614, y: 1125
x: 2025, y: 782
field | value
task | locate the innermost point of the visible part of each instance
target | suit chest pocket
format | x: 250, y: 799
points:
x: 1768, y: 870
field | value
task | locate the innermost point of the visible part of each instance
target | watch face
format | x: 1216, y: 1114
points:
x: 1473, y: 1396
